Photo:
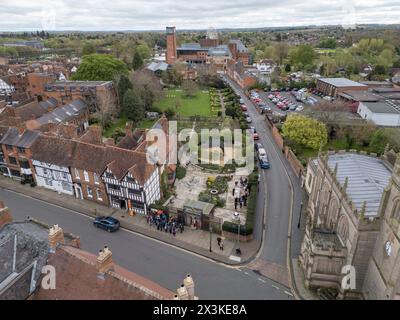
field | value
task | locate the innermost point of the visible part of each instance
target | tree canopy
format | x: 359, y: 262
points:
x: 132, y: 106
x: 305, y: 131
x: 100, y: 67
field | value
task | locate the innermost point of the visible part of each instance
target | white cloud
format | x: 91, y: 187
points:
x: 156, y: 14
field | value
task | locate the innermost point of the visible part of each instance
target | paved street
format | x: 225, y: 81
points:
x: 162, y: 263
x: 277, y: 187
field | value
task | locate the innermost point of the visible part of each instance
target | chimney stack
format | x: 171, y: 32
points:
x: 189, y: 285
x: 104, y: 262
x: 182, y: 293
x: 56, y: 236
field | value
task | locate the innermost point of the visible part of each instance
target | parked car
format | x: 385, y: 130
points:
x: 241, y: 101
x: 299, y: 108
x: 108, y: 223
x: 248, y: 120
x: 264, y: 163
x: 292, y: 107
x: 253, y: 129
x: 271, y: 96
x: 243, y: 107
x: 261, y: 153
x: 258, y: 145
x: 256, y: 136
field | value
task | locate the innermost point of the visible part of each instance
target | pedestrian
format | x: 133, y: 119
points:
x: 241, y: 202
x: 219, y: 241
x: 236, y: 203
x: 221, y: 245
x: 174, y: 232
x: 182, y: 227
x: 245, y: 201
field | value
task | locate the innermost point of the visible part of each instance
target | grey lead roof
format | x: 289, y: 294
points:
x: 368, y: 177
x: 381, y: 107
x: 62, y: 114
x: 14, y: 138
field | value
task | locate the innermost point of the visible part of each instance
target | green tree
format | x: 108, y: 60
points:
x: 100, y: 67
x: 328, y: 43
x: 302, y: 56
x: 305, y: 131
x: 123, y: 85
x: 190, y: 88
x: 288, y: 67
x: 132, y: 106
x: 137, y: 61
x: 378, y: 142
x: 88, y: 48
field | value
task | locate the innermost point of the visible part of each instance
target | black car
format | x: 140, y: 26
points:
x: 109, y: 224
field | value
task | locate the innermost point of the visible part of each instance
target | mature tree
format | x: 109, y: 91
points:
x: 137, y: 61
x: 132, y: 106
x: 331, y: 113
x: 328, y: 43
x: 88, y: 48
x: 190, y: 88
x: 143, y: 51
x: 378, y: 142
x: 305, y: 131
x: 100, y: 67
x: 282, y: 50
x: 302, y: 56
x: 123, y: 85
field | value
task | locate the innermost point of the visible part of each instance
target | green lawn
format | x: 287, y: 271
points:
x: 146, y: 124
x: 198, y: 105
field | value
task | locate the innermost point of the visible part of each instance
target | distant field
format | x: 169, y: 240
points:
x: 199, y: 105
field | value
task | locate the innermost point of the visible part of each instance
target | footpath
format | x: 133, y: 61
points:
x: 196, y: 241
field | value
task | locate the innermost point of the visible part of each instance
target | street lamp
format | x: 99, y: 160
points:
x: 301, y: 210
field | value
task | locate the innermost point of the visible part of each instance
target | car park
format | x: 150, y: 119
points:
x: 107, y: 223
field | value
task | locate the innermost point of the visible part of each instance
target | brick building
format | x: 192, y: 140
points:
x: 334, y: 86
x: 16, y: 146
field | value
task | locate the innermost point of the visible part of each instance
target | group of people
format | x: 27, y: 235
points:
x: 240, y: 192
x: 163, y: 223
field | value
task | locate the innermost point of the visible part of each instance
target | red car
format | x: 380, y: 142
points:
x: 255, y: 136
x: 243, y: 107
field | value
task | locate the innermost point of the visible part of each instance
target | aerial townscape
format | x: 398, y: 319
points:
x: 181, y: 161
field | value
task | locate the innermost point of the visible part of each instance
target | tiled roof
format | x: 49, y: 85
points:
x: 77, y: 279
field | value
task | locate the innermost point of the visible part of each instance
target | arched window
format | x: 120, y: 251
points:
x: 333, y: 211
x: 343, y: 228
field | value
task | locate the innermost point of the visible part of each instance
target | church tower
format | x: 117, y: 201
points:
x: 383, y: 275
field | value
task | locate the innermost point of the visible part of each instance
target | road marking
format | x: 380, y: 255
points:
x: 273, y: 286
x: 288, y: 293
x: 246, y: 273
x: 262, y: 280
x: 235, y: 258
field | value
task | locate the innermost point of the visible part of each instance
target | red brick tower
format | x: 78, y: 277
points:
x: 171, y: 45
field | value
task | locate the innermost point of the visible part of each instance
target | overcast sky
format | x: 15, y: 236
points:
x: 18, y: 15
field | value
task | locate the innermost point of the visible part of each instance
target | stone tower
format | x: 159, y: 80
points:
x: 171, y: 45
x: 383, y: 274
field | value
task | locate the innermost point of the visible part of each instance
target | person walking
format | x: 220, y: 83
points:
x: 174, y: 232
x: 221, y: 245
x: 219, y: 241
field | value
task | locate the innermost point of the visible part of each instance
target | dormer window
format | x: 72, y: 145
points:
x: 86, y: 175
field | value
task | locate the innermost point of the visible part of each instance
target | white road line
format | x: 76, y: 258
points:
x: 273, y: 286
x: 246, y: 273
x: 288, y: 293
x: 262, y: 280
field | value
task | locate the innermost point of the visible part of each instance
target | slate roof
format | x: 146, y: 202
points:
x: 64, y: 113
x: 381, y: 107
